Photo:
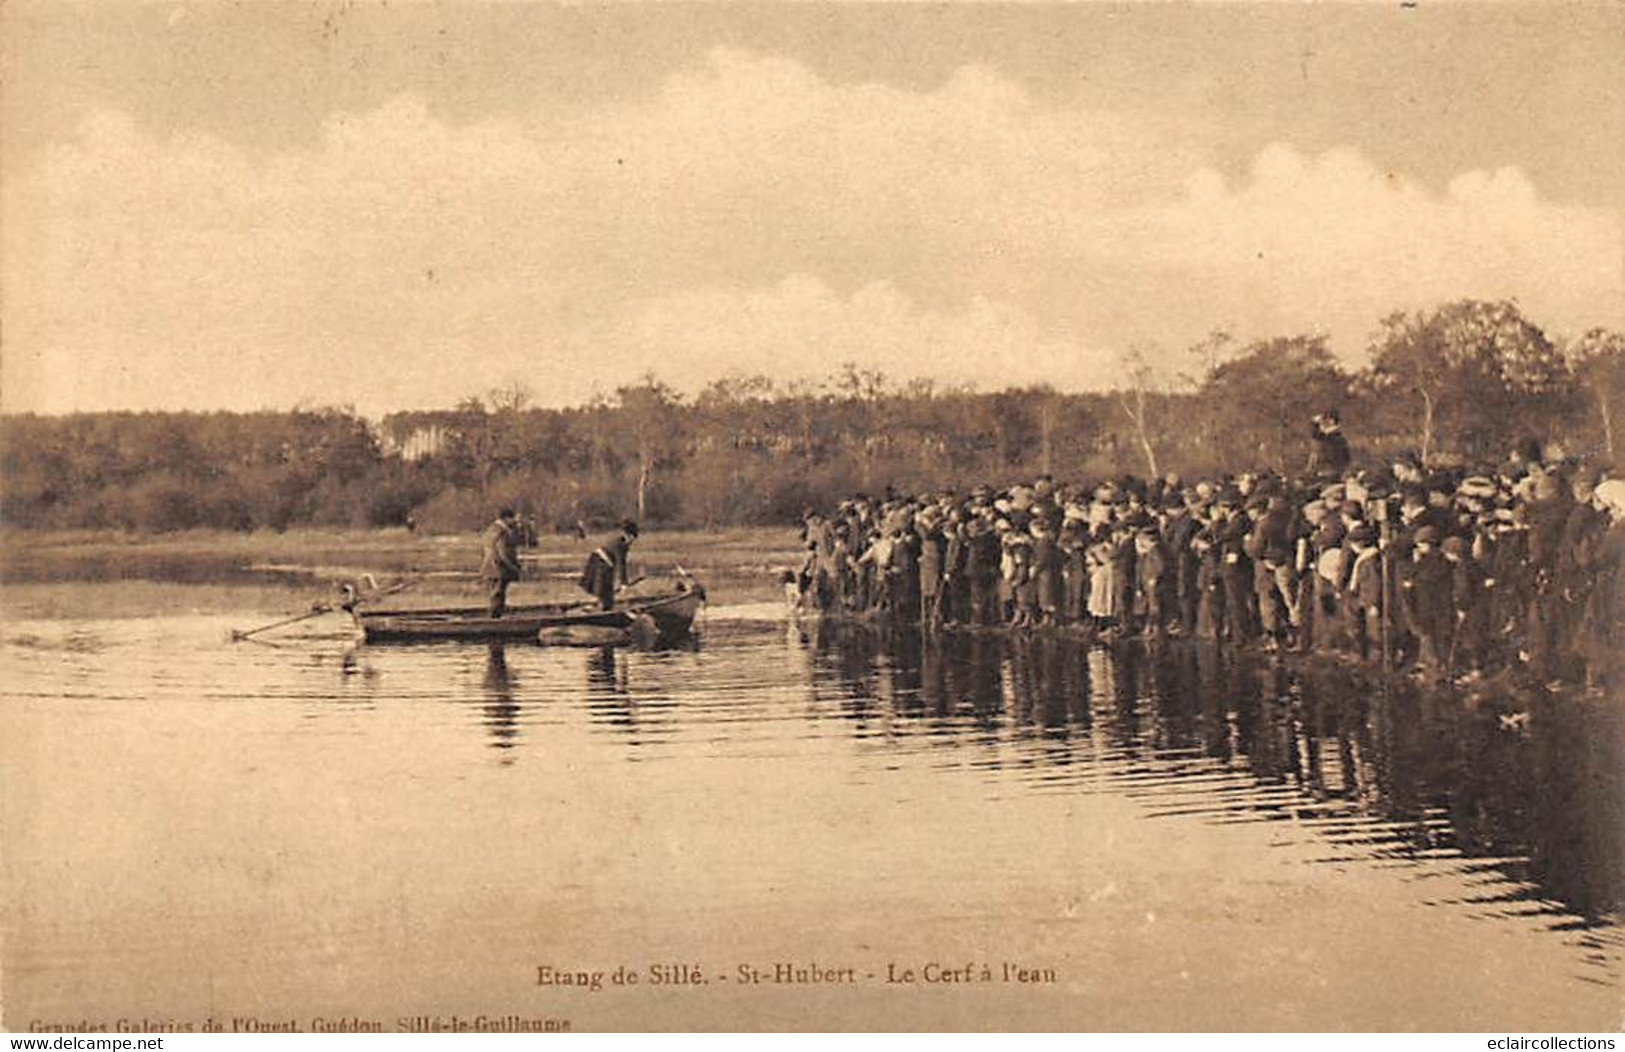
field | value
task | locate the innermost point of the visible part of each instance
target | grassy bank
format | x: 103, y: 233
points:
x: 120, y: 599
x: 112, y: 574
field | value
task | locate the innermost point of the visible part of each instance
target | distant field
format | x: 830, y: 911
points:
x: 64, y: 574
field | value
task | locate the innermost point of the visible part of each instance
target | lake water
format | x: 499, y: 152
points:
x: 987, y: 833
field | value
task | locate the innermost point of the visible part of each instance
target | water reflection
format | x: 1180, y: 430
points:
x: 633, y: 704
x: 790, y: 765
x: 1530, y: 788
x: 500, y: 712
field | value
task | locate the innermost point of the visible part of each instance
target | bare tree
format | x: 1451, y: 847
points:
x: 1599, y: 362
x: 1135, y: 399
x: 511, y: 397
x: 648, y: 425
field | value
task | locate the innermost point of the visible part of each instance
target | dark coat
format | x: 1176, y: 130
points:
x: 1177, y: 534
x: 1151, y: 572
x: 1272, y: 539
x: 1548, y: 522
x: 1471, y: 605
x: 1429, y: 595
x: 1046, y: 572
x: 1330, y: 455
x: 606, y: 567
x: 931, y: 556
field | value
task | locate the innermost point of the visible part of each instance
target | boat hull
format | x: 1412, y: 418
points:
x: 669, y: 617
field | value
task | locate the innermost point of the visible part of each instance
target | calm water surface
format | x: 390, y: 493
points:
x: 1169, y: 836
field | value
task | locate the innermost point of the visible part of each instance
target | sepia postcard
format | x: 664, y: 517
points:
x: 532, y: 517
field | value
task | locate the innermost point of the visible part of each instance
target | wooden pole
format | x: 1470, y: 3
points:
x: 1385, y: 615
x: 315, y: 611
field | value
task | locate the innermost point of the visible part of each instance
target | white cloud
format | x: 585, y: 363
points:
x: 802, y: 329
x: 1332, y: 242
x: 749, y: 216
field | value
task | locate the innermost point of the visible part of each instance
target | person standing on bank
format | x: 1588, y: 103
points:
x: 499, y: 565
x: 606, y: 570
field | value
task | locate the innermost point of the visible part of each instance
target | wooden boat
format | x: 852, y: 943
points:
x: 665, y: 617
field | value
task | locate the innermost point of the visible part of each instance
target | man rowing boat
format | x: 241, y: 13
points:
x: 606, y: 568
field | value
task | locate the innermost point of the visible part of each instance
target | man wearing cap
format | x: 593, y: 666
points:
x: 953, y: 605
x: 1210, y: 612
x: 1073, y: 541
x: 982, y: 554
x: 1363, y: 592
x: 499, y: 563
x: 931, y: 545
x: 1179, y: 527
x: 1429, y: 604
x: 1272, y: 547
x: 1151, y: 584
x: 1047, y: 563
x: 1231, y: 528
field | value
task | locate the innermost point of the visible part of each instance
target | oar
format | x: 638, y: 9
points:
x: 634, y: 581
x: 316, y: 610
x: 391, y: 590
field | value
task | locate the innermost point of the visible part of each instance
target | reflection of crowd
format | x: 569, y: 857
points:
x: 1451, y: 572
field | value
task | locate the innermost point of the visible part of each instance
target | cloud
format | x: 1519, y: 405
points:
x: 748, y: 216
x: 800, y: 329
x: 1332, y: 242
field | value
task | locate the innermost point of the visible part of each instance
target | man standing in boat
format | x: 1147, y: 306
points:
x: 499, y: 566
x: 606, y: 568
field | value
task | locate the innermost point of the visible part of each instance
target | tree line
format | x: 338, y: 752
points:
x: 1462, y: 381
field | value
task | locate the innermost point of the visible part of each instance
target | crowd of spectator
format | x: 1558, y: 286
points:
x: 1447, y: 572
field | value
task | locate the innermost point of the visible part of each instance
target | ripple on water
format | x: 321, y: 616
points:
x: 1514, y: 825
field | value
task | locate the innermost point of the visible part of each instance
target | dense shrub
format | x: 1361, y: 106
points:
x: 744, y: 452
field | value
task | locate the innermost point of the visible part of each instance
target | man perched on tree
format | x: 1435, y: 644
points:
x: 1330, y: 455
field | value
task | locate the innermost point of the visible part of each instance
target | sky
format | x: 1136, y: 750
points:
x: 398, y: 206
